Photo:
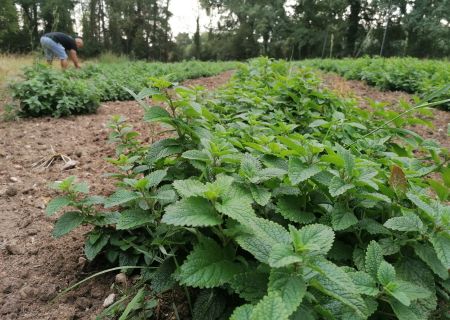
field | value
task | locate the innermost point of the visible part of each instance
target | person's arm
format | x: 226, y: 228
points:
x: 73, y: 56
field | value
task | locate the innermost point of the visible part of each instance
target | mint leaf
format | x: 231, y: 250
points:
x: 290, y: 208
x: 290, y: 286
x: 299, y: 172
x: 338, y: 187
x: 342, y: 218
x: 208, y: 265
x: 67, y: 222
x: 283, y: 255
x: 242, y: 313
x: 429, y: 256
x: 121, y: 196
x: 374, y: 257
x: 130, y: 219
x: 193, y: 211
x: 155, y: 178
x: 315, y: 239
x: 155, y: 114
x: 270, y: 308
x: 56, y: 204
x: 260, y: 194
x: 189, y: 188
x: 94, y: 243
x: 386, y: 273
x: 409, y: 222
x: 441, y: 244
x: 364, y: 283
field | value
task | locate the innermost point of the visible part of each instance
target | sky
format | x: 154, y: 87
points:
x: 184, y: 17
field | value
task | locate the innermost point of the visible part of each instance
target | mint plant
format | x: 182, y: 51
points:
x: 272, y: 201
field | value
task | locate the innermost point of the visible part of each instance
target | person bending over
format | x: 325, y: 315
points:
x: 56, y: 44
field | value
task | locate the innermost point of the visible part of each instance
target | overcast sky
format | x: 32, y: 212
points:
x: 184, y: 17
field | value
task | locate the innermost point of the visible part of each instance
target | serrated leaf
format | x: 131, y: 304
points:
x: 290, y: 208
x: 441, y: 244
x: 196, y: 155
x: 398, y: 180
x: 349, y: 159
x: 315, y: 239
x: 283, y: 255
x: 299, y: 172
x: 121, y: 196
x: 209, y: 305
x: 193, y: 212
x: 270, y: 308
x: 428, y: 255
x: 342, y: 218
x: 386, y: 273
x: 162, y: 280
x: 81, y: 187
x: 364, y: 283
x: 421, y: 205
x: 67, y: 222
x: 338, y: 187
x: 334, y: 282
x: 393, y: 290
x: 189, y: 188
x: 242, y: 313
x: 208, y: 266
x: 373, y: 259
x: 155, y: 178
x: 412, y: 291
x: 237, y: 204
x: 130, y: 219
x: 155, y: 114
x: 92, y: 248
x: 290, y: 286
x: 260, y: 194
x: 403, y: 312
x: 373, y: 226
x: 57, y: 204
x: 250, y: 285
x: 409, y: 222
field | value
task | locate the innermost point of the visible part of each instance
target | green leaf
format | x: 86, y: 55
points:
x: 338, y: 187
x: 242, y: 313
x: 189, y: 188
x: 441, y: 190
x: 403, y: 312
x: 421, y: 205
x: 342, y: 218
x: 81, y: 187
x: 364, y: 283
x: 56, y: 204
x: 393, y: 290
x: 260, y: 194
x: 386, y: 273
x: 412, y: 291
x: 250, y: 285
x: 290, y: 208
x: 193, y: 211
x: 196, y: 155
x: 409, y: 222
x: 270, y: 308
x: 374, y: 257
x: 121, y: 196
x: 334, y: 282
x: 94, y: 244
x: 349, y: 160
x: 441, y: 244
x: 315, y: 239
x: 290, y: 286
x: 133, y: 304
x: 130, y: 219
x: 155, y: 178
x: 154, y: 114
x: 299, y: 172
x: 208, y: 265
x: 428, y: 255
x: 283, y: 255
x: 209, y: 305
x: 67, y: 222
x: 237, y: 204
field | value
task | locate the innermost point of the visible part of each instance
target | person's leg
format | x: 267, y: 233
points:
x: 64, y: 63
x: 46, y: 45
x: 55, y: 49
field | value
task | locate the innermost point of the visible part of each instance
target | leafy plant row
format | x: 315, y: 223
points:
x: 45, y: 91
x: 272, y: 201
x: 411, y: 75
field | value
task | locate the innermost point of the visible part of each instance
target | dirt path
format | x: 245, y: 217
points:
x: 362, y: 92
x: 34, y: 267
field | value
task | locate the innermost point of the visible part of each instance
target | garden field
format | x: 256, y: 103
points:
x: 258, y: 191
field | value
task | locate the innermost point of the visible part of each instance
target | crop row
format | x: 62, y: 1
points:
x: 45, y: 91
x: 411, y: 75
x: 272, y: 200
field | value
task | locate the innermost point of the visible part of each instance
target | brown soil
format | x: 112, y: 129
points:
x: 34, y: 266
x: 363, y: 93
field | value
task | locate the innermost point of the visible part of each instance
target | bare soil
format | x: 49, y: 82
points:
x: 35, y: 267
x: 363, y: 93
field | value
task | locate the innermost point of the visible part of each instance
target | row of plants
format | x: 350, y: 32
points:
x: 411, y: 75
x: 272, y: 199
x: 46, y: 91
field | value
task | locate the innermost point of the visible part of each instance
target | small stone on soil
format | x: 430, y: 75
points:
x: 69, y: 165
x: 13, y: 179
x: 121, y: 279
x: 109, y: 300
